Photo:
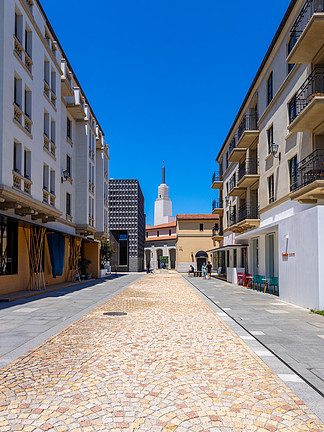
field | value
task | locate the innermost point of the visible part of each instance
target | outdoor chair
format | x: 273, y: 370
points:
x: 240, y: 278
x: 273, y: 285
x: 255, y: 282
x: 248, y: 279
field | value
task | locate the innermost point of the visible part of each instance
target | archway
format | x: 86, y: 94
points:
x: 172, y: 253
x: 201, y: 258
x: 147, y: 257
x: 159, y: 253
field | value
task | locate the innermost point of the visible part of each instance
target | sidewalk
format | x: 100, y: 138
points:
x: 293, y: 334
x: 154, y: 358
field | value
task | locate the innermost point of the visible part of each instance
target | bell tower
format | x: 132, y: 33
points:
x: 163, y: 204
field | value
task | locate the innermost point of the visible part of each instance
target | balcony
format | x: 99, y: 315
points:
x: 248, y: 173
x: 217, y: 207
x: 218, y: 233
x: 247, y: 131
x: 235, y: 154
x: 76, y: 106
x: 234, y: 189
x: 307, y: 184
x: 306, y: 110
x: 247, y: 218
x: 307, y: 33
x: 217, y: 180
x: 66, y: 80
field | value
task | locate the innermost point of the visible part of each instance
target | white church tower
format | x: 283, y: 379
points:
x: 163, y: 204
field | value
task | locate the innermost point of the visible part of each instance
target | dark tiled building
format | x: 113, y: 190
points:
x: 126, y: 221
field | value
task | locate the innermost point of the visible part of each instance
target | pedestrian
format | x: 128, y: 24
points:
x: 209, y: 270
x: 115, y: 269
x: 148, y: 268
x: 191, y: 270
x: 219, y: 271
x: 204, y: 270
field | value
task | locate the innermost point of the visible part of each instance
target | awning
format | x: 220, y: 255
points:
x: 267, y: 229
x: 228, y: 247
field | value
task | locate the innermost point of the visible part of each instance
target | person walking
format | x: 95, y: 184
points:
x: 204, y: 270
x: 209, y: 270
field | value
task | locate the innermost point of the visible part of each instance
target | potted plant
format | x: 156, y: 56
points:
x: 106, y: 252
x: 83, y: 264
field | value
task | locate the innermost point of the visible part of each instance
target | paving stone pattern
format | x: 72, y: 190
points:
x: 170, y: 364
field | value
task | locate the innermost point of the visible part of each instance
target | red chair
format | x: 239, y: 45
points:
x: 240, y: 278
x: 248, y: 279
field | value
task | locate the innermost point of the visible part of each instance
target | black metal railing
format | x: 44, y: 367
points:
x: 232, y: 145
x: 248, y: 211
x: 232, y: 216
x: 217, y: 176
x: 232, y: 183
x: 313, y: 86
x: 217, y: 230
x: 306, y: 13
x: 217, y: 204
x: 248, y: 167
x: 308, y: 170
x: 248, y: 122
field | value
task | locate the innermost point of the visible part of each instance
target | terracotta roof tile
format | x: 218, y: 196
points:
x: 166, y: 225
x: 197, y: 216
x: 149, y: 239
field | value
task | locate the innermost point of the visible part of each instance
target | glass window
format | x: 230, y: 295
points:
x: 68, y: 204
x: 270, y: 88
x: 201, y: 227
x: 292, y: 109
x: 270, y: 138
x: 68, y: 128
x: 69, y: 165
x: 293, y: 171
x: 8, y: 248
x: 271, y: 189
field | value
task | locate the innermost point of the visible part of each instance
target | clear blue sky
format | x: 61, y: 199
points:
x: 165, y: 79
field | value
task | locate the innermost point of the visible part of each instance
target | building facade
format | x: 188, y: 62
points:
x: 194, y: 239
x: 271, y: 164
x: 160, y: 246
x: 126, y: 221
x: 53, y: 157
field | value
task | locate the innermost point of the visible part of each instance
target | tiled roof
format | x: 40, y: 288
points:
x: 166, y: 225
x: 198, y: 216
x: 149, y: 239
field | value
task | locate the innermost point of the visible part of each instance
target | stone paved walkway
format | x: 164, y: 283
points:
x: 170, y: 364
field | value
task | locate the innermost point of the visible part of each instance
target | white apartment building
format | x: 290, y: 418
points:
x: 271, y: 165
x: 54, y: 161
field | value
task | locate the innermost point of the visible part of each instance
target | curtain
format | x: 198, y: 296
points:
x: 56, y: 247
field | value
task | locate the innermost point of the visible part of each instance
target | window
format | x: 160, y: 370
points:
x: 53, y: 81
x: 270, y: 88
x: 68, y: 204
x: 292, y: 109
x: 45, y: 176
x: 290, y: 67
x: 18, y: 91
x: 46, y: 124
x: 27, y: 164
x: 271, y: 189
x: 293, y: 171
x: 53, y: 131
x: 28, y: 102
x: 201, y: 227
x: 235, y: 258
x: 169, y: 232
x: 158, y: 234
x: 270, y: 138
x: 47, y: 72
x: 8, y: 248
x: 68, y: 128
x: 28, y: 42
x: 147, y: 234
x: 19, y: 27
x: 69, y: 165
x: 52, y: 184
x: 17, y: 157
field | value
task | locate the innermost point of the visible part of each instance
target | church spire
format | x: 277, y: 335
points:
x: 163, y: 174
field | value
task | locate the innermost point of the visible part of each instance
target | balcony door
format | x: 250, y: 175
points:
x: 270, y: 255
x: 255, y: 256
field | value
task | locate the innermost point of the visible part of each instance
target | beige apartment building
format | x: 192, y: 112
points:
x: 53, y: 158
x: 271, y: 165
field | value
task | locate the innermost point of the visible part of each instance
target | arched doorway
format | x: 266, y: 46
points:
x: 172, y: 253
x: 147, y: 257
x: 159, y: 253
x: 201, y: 257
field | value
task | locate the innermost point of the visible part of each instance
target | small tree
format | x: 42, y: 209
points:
x: 106, y: 252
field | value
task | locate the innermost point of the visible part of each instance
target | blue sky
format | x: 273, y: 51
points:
x: 165, y: 80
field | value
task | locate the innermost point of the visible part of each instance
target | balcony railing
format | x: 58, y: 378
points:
x: 232, y: 183
x: 217, y: 176
x: 308, y: 10
x: 232, y: 216
x: 249, y: 122
x: 308, y: 170
x: 217, y: 205
x: 232, y: 145
x: 248, y: 167
x: 248, y: 211
x: 313, y: 86
x: 217, y: 231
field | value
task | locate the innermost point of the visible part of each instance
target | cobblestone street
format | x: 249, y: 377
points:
x: 166, y: 362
